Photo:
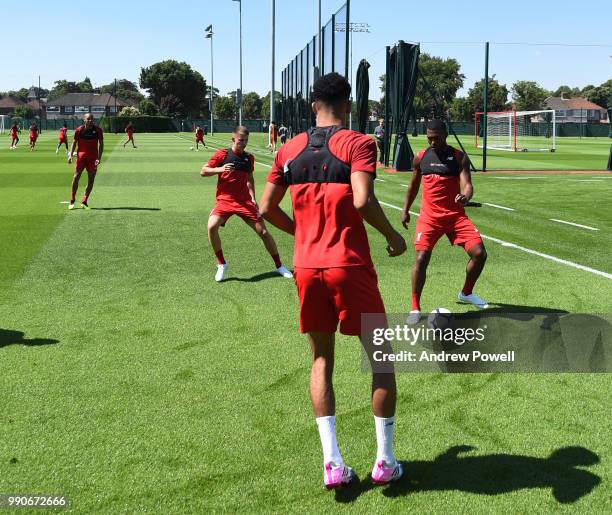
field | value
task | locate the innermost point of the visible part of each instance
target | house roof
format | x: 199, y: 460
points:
x: 571, y: 103
x: 87, y: 99
x: 10, y: 102
x: 34, y: 104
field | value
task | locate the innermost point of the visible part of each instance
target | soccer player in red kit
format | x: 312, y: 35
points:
x: 329, y: 171
x: 33, y: 135
x: 199, y: 137
x: 62, y: 138
x: 89, y: 142
x: 236, y: 196
x: 272, y: 136
x: 14, y: 136
x: 129, y: 130
x: 445, y: 175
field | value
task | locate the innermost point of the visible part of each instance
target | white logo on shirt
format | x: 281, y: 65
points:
x: 419, y: 236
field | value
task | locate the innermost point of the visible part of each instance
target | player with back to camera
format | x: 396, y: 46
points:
x: 329, y: 171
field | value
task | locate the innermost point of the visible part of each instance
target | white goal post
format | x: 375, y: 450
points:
x: 3, y: 123
x: 517, y: 131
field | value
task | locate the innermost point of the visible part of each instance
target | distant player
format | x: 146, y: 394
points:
x: 62, y: 138
x: 379, y: 134
x: 447, y: 186
x: 199, y: 138
x: 330, y: 173
x: 14, y: 136
x: 272, y: 136
x: 129, y: 130
x: 33, y: 135
x: 282, y: 133
x: 236, y: 196
x: 89, y: 142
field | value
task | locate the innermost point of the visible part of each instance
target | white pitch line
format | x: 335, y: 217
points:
x: 512, y: 178
x: 574, y: 224
x: 529, y: 251
x: 64, y: 202
x: 585, y: 180
x: 498, y: 207
x: 380, y: 180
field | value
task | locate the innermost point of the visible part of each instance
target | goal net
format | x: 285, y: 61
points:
x: 517, y: 131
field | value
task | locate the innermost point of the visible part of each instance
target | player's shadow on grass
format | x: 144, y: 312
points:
x: 495, y: 474
x: 126, y: 208
x: 499, y: 307
x: 255, y: 278
x: 9, y: 337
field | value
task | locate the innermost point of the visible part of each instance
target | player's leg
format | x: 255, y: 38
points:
x: 132, y: 140
x: 478, y: 258
x: 260, y: 228
x: 215, y: 222
x: 419, y: 275
x: 91, y: 178
x: 75, y: 186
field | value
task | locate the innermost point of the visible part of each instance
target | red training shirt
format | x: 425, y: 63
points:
x: 329, y: 231
x: 63, y: 132
x: 231, y: 186
x: 87, y: 140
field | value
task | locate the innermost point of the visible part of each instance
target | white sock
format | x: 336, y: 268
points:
x: 327, y: 432
x: 384, y: 438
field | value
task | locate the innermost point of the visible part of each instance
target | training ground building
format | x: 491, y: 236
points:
x: 76, y: 105
x: 577, y: 110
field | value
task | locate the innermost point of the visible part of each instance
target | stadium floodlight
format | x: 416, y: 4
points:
x: 240, y: 89
x: 209, y: 35
x: 517, y: 131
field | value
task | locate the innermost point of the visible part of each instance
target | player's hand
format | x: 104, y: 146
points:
x: 70, y: 159
x: 461, y: 199
x: 229, y: 167
x: 405, y: 219
x: 396, y: 245
x: 97, y: 162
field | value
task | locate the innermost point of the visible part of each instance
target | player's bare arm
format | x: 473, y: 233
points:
x: 465, y: 178
x: 412, y: 192
x: 251, y: 187
x: 72, y: 149
x: 208, y: 171
x: 269, y: 207
x: 100, y: 151
x: 367, y: 204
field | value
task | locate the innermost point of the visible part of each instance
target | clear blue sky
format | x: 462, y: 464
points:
x: 104, y: 40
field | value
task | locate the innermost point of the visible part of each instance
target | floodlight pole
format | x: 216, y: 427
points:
x: 485, y: 108
x: 239, y: 94
x: 319, y: 40
x: 209, y: 35
x: 273, y: 64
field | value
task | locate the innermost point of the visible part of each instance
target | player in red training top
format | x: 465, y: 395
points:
x: 329, y: 171
x: 33, y: 135
x: 236, y: 196
x: 444, y: 172
x: 272, y: 136
x: 14, y: 136
x: 62, y: 138
x: 129, y: 130
x: 89, y: 140
x: 199, y: 137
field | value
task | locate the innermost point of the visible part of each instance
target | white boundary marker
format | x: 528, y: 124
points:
x: 528, y: 251
x: 574, y: 224
x: 498, y: 207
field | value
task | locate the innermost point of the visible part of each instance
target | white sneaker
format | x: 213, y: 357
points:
x: 220, y: 272
x: 413, y: 317
x: 284, y: 272
x: 71, y: 206
x: 474, y: 299
x: 57, y: 150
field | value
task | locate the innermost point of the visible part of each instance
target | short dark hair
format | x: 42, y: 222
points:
x: 240, y: 129
x: 437, y: 125
x: 331, y: 89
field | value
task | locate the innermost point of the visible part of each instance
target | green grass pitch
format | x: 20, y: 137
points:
x: 131, y: 382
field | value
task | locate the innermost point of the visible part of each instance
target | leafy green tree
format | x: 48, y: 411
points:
x: 129, y: 111
x: 265, y: 105
x: 23, y: 111
x: 174, y: 79
x: 567, y: 92
x: 600, y: 95
x: 126, y: 90
x: 528, y: 95
x: 147, y: 107
x: 172, y: 105
x: 62, y: 87
x: 461, y: 110
x: 251, y: 105
x: 85, y: 85
x: 225, y: 107
x: 498, y: 96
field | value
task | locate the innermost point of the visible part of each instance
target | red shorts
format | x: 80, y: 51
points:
x: 246, y: 210
x: 86, y: 163
x: 33, y: 139
x: 130, y: 135
x: 459, y: 230
x: 331, y: 295
x: 62, y: 140
x: 199, y: 139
